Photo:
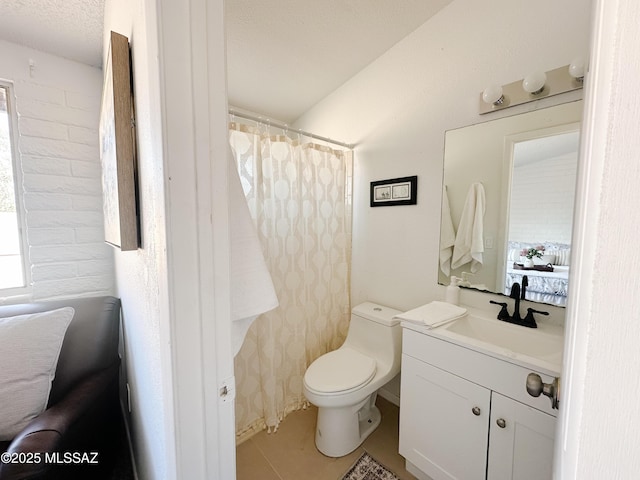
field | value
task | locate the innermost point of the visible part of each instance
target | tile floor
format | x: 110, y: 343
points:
x: 290, y: 453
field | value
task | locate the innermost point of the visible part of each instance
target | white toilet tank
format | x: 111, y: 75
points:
x: 374, y: 332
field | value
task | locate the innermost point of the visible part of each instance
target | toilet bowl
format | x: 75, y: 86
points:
x: 343, y: 384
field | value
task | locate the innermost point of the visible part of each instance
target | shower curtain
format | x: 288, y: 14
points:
x: 299, y: 195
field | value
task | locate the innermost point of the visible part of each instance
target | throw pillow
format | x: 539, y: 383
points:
x: 30, y: 347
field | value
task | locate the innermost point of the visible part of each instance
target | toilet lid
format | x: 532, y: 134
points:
x: 340, y: 370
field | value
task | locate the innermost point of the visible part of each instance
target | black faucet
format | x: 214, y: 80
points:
x: 515, y: 294
x: 518, y: 293
x: 525, y: 284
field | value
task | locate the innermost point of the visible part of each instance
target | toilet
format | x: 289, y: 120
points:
x: 343, y: 384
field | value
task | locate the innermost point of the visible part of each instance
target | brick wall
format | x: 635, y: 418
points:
x: 58, y: 105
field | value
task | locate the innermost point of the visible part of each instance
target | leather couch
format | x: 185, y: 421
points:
x: 83, y: 404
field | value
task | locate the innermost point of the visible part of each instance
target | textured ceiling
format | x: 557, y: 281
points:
x: 66, y: 28
x: 284, y: 56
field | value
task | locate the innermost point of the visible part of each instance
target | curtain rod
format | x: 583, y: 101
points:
x: 266, y: 121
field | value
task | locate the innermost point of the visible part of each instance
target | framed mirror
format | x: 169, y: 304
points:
x: 526, y: 166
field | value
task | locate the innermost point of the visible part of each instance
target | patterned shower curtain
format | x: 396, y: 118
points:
x: 299, y: 195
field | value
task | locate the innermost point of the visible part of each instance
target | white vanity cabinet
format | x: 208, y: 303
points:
x: 521, y: 441
x: 439, y: 431
x: 465, y: 415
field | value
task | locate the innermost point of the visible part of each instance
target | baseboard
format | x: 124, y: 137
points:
x: 390, y: 397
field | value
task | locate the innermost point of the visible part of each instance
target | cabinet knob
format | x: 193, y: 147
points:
x: 535, y: 386
x: 501, y: 422
x: 476, y: 411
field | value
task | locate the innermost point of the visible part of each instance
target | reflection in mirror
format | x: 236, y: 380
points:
x: 527, y: 167
x: 541, y: 211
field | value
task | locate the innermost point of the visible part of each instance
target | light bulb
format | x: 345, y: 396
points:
x: 493, y: 95
x: 534, y: 83
x: 576, y: 68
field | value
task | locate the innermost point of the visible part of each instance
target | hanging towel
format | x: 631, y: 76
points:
x: 447, y: 235
x: 433, y: 314
x: 469, y: 244
x: 252, y: 291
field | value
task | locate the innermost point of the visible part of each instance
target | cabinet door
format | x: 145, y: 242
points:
x: 439, y: 431
x: 523, y: 448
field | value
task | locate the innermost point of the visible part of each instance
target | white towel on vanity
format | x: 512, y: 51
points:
x: 252, y: 291
x: 469, y: 244
x: 433, y: 314
x: 447, y: 235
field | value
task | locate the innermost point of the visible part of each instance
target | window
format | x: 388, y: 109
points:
x: 13, y: 274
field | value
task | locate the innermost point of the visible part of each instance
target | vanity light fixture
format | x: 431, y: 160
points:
x: 534, y: 83
x: 534, y: 86
x: 576, y: 69
x: 493, y: 95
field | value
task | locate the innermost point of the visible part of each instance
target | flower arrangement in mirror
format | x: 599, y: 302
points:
x: 531, y: 252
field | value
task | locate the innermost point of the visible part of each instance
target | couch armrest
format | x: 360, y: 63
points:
x: 59, y: 425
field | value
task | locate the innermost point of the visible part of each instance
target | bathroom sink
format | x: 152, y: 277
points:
x: 536, y: 347
x: 512, y: 337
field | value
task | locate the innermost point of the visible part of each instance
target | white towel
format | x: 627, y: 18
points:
x: 447, y: 235
x: 469, y: 244
x: 252, y: 291
x: 433, y: 314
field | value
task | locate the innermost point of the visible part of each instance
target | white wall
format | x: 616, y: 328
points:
x: 398, y: 108
x: 141, y: 275
x: 58, y: 106
x: 601, y: 426
x: 175, y: 288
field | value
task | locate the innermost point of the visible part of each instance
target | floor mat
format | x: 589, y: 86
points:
x: 368, y: 468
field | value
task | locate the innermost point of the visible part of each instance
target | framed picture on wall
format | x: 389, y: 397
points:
x: 395, y: 191
x: 117, y: 149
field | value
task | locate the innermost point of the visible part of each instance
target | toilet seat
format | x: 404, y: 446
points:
x: 339, y: 371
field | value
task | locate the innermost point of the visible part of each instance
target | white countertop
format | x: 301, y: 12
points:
x: 539, y: 348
